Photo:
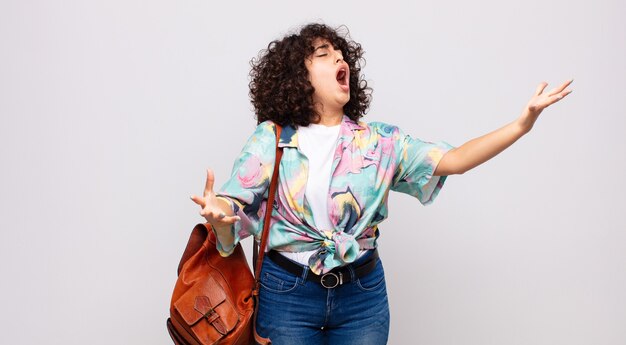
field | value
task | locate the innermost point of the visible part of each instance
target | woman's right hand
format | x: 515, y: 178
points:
x: 215, y: 212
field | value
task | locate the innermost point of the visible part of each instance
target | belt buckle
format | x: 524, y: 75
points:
x: 335, y: 280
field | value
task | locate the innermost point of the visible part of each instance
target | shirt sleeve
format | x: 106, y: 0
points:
x: 247, y: 187
x: 416, y: 163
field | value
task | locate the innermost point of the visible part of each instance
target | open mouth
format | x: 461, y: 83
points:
x: 342, y: 78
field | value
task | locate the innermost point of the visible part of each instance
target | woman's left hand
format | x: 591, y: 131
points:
x: 540, y: 101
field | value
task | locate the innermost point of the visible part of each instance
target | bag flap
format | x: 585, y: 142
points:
x: 207, y: 300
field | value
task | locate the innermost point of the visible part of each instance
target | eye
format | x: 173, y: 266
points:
x: 322, y: 55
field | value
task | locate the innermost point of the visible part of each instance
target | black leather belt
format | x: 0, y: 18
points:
x: 331, y: 279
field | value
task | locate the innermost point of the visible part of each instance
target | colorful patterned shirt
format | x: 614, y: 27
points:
x: 370, y: 159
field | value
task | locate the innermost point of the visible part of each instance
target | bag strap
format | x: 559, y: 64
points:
x: 259, y: 253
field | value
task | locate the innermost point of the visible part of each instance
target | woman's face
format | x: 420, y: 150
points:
x: 330, y: 76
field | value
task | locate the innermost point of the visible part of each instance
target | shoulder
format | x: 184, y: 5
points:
x: 265, y: 130
x: 383, y: 130
x: 269, y: 127
x: 262, y: 139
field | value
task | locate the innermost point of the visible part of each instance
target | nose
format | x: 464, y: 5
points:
x: 339, y: 58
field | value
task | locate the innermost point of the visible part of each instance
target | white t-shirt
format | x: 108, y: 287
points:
x: 318, y: 143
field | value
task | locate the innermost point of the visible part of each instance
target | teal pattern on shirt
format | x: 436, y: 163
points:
x: 370, y: 159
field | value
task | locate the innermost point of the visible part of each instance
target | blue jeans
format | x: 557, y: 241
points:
x: 293, y: 310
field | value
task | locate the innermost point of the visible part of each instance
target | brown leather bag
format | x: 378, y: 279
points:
x: 215, y: 298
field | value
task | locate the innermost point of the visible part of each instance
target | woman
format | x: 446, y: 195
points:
x: 322, y: 280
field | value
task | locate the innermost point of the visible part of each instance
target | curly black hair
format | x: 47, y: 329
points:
x: 280, y: 89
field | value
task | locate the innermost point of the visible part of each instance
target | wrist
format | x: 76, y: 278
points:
x: 526, y: 122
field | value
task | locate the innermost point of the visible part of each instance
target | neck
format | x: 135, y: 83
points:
x: 329, y: 118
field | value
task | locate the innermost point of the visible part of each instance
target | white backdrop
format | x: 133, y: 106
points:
x: 112, y: 110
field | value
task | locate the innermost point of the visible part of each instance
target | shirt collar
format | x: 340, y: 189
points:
x: 289, y: 134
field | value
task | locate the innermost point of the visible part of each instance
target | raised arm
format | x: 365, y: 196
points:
x: 481, y: 149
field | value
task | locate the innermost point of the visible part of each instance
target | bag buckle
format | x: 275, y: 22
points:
x: 331, y: 280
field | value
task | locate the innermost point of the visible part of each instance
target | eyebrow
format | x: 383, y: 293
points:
x: 323, y: 46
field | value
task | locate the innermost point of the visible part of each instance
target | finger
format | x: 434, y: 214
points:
x: 209, y: 214
x: 230, y: 220
x: 560, y: 88
x: 562, y: 94
x: 555, y: 98
x: 540, y: 88
x: 210, y: 179
x: 218, y: 217
x: 212, y: 214
x: 198, y: 200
